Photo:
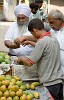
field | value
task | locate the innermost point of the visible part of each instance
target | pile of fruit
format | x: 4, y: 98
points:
x: 13, y: 88
x: 4, y: 58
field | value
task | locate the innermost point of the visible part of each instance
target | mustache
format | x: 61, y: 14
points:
x: 23, y: 23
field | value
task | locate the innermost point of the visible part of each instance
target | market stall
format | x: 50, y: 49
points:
x: 16, y: 83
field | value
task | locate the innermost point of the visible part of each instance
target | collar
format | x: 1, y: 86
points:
x: 45, y: 34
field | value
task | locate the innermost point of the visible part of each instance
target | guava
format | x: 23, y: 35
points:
x: 16, y: 98
x: 7, y: 61
x: 7, y: 57
x: 1, y: 59
x: 19, y: 83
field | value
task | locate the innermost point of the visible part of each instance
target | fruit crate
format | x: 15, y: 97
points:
x: 26, y: 71
x: 20, y: 71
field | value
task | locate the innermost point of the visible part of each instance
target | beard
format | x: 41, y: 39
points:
x: 22, y: 27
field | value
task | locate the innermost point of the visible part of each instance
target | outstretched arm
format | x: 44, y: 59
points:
x: 24, y: 60
x: 11, y: 45
x: 25, y: 38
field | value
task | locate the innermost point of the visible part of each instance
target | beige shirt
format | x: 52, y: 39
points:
x: 47, y: 56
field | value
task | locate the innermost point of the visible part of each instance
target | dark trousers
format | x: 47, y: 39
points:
x: 56, y: 91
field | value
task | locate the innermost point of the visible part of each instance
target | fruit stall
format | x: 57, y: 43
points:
x: 16, y: 83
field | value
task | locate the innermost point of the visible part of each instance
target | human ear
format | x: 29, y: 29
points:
x: 35, y: 30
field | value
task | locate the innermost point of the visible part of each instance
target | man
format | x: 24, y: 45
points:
x: 34, y: 8
x: 47, y: 56
x: 42, y: 14
x: 56, y: 21
x: 40, y: 11
x: 36, y: 12
x: 18, y: 29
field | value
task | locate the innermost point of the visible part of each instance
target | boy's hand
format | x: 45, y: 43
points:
x: 24, y: 61
x: 18, y: 60
x: 29, y: 42
x: 19, y: 40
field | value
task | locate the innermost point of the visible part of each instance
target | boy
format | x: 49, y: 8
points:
x: 47, y: 56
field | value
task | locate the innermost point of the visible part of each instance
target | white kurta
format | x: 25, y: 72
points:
x: 13, y: 32
x: 33, y: 16
x: 60, y: 37
x: 37, y: 15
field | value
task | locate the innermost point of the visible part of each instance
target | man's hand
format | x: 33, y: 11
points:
x: 11, y: 45
x: 14, y: 45
x: 19, y: 60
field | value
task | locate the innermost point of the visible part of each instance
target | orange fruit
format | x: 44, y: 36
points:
x: 9, y: 98
x: 2, y: 77
x: 19, y: 83
x: 32, y: 87
x: 6, y: 82
x: 16, y: 77
x: 1, y: 93
x: 6, y: 94
x: 3, y: 88
x: 19, y: 93
x: 23, y: 87
x: 14, y: 88
x: 3, y: 98
x: 36, y: 95
x: 16, y: 98
x: 12, y: 93
x: 23, y: 97
x: 29, y: 97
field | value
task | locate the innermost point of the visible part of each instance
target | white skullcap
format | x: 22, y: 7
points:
x: 22, y: 9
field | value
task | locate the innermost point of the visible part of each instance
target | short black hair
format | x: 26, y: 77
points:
x: 33, y: 6
x: 38, y: 1
x: 35, y: 23
x: 22, y: 1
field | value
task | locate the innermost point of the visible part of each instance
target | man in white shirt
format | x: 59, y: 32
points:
x: 18, y: 29
x: 56, y: 21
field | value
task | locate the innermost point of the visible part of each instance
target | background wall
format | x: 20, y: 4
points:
x: 56, y: 4
x: 8, y: 9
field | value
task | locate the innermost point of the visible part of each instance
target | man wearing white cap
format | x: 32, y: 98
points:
x: 18, y: 29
